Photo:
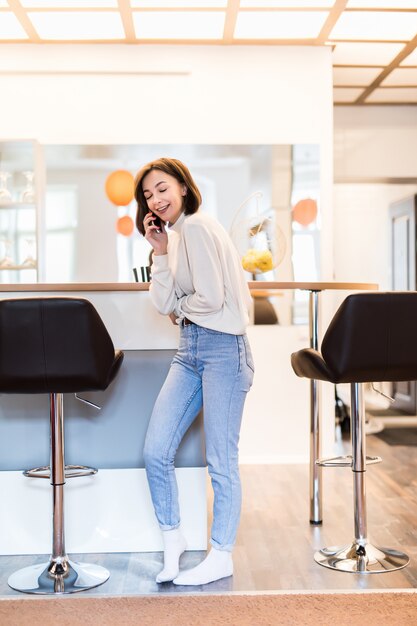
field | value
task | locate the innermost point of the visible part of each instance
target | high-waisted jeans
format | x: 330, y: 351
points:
x: 213, y: 370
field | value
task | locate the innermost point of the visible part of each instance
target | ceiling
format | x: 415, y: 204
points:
x: 374, y: 42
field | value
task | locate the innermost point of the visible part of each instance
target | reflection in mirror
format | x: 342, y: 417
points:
x: 81, y: 239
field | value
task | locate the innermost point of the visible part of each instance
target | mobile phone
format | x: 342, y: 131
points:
x: 157, y: 221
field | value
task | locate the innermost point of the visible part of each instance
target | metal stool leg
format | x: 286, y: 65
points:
x: 316, y: 516
x: 59, y: 575
x: 360, y: 556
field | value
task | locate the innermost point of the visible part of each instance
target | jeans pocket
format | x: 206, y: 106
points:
x: 248, y: 354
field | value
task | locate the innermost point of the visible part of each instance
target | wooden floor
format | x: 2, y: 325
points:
x: 276, y: 543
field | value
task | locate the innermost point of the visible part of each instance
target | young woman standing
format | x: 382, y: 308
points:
x: 197, y: 279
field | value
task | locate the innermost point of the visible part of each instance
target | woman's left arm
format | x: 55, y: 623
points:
x: 206, y: 272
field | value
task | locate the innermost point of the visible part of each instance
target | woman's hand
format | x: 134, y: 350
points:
x: 156, y: 236
x: 173, y: 318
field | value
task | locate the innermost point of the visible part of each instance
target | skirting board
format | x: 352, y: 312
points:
x: 109, y: 512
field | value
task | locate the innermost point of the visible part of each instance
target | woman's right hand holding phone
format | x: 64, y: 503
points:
x: 156, y: 235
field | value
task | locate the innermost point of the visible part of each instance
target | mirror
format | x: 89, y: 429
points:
x: 79, y: 224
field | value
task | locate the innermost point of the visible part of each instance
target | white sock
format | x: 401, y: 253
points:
x: 174, y: 546
x: 217, y: 564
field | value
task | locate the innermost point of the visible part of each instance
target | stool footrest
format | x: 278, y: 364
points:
x: 346, y: 461
x: 71, y: 471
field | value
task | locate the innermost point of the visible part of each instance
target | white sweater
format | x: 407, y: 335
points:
x: 201, y: 276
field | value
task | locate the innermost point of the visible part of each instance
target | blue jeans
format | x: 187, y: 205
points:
x: 213, y: 369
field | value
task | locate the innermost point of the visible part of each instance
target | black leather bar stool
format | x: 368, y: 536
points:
x: 371, y: 338
x: 55, y: 346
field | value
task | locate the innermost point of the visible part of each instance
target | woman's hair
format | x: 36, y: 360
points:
x: 178, y: 170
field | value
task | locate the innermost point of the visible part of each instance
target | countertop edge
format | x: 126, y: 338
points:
x: 253, y: 285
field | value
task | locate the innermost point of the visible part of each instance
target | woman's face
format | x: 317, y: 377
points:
x: 164, y: 195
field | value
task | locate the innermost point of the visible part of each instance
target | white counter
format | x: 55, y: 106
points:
x: 275, y: 429
x: 112, y: 511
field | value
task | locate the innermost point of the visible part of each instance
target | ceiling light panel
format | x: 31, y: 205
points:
x: 411, y: 59
x: 69, y: 4
x: 286, y: 4
x: 63, y: 25
x: 346, y: 94
x: 365, y: 53
x: 406, y: 95
x: 183, y: 4
x: 10, y: 27
x: 355, y: 75
x: 382, y: 4
x: 375, y: 25
x: 179, y: 25
x: 279, y: 24
x: 401, y: 76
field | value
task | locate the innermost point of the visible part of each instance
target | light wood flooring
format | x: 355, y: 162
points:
x: 276, y: 543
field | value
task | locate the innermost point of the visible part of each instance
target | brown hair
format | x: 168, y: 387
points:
x: 178, y: 170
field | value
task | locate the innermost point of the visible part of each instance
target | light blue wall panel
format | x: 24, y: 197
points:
x: 110, y: 438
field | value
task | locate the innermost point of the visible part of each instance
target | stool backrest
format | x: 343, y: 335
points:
x: 53, y: 345
x: 373, y: 337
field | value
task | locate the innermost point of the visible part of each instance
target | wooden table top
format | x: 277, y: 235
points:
x: 313, y: 286
x: 253, y: 285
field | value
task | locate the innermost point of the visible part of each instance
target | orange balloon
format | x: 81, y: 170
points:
x: 125, y: 225
x: 305, y: 211
x: 120, y: 187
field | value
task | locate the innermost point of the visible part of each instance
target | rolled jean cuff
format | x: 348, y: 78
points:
x: 169, y: 526
x: 218, y: 546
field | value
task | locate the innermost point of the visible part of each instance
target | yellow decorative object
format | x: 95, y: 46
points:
x: 265, y: 261
x: 257, y: 236
x: 255, y: 261
x: 249, y: 261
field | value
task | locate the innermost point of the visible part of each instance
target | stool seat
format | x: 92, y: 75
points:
x: 371, y: 338
x: 56, y: 346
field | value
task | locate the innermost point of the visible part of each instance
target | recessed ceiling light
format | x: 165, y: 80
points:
x: 10, y: 27
x: 355, y: 76
x: 179, y: 25
x: 402, y: 76
x: 77, y: 26
x: 69, y: 4
x: 358, y: 53
x: 382, y: 4
x: 346, y: 94
x: 375, y: 25
x: 387, y: 94
x: 411, y: 59
x: 183, y: 4
x: 286, y: 4
x: 279, y: 24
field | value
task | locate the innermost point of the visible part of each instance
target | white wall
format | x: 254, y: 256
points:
x: 223, y: 94
x: 375, y: 165
x: 375, y: 142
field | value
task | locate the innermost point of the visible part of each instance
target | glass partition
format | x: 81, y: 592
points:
x: 236, y: 181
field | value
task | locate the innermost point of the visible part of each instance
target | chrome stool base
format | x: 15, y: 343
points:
x: 364, y: 559
x: 68, y: 577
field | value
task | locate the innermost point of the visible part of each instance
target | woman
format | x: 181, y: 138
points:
x: 197, y: 280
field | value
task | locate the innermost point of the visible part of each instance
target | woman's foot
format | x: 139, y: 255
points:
x: 174, y: 546
x: 217, y: 564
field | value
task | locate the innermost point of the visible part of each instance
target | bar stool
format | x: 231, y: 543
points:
x: 371, y: 338
x: 55, y: 346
